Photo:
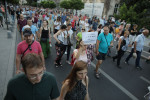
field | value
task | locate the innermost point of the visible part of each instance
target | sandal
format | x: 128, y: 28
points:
x: 56, y: 65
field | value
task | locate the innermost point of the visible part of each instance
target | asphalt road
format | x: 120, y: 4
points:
x: 114, y: 84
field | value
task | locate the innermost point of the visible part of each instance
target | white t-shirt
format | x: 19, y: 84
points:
x: 63, y: 38
x: 86, y: 27
x: 58, y: 25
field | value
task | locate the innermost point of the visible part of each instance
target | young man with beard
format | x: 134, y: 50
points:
x: 27, y: 46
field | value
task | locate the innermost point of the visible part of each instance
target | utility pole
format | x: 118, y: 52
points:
x: 6, y: 13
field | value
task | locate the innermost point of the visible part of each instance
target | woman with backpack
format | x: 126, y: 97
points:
x: 121, y: 47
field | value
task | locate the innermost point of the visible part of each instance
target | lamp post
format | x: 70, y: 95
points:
x: 6, y: 13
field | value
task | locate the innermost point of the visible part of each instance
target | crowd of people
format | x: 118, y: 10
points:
x: 37, y: 27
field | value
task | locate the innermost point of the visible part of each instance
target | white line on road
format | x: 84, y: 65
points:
x: 115, y: 82
x: 144, y: 79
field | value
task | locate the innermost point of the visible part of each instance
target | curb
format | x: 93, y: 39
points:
x: 11, y: 61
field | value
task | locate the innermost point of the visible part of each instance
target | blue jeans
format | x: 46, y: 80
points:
x: 13, y: 18
x: 137, y: 62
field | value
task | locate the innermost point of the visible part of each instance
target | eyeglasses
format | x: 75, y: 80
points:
x: 83, y: 29
x: 33, y: 77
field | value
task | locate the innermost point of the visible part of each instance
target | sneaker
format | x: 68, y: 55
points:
x: 139, y: 68
x: 113, y: 59
x: 65, y: 53
x: 50, y: 45
x: 126, y: 62
x: 68, y: 62
x: 97, y: 75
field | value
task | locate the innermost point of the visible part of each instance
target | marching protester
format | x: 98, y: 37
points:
x: 104, y: 40
x: 27, y: 46
x: 45, y: 38
x: 33, y: 29
x: 122, y: 47
x: 21, y: 23
x: 133, y: 34
x: 80, y: 53
x: 35, y: 82
x: 137, y: 48
x: 79, y: 35
x: 61, y: 42
x: 1, y: 18
x: 57, y: 25
x: 12, y: 12
x: 69, y: 34
x: 75, y: 86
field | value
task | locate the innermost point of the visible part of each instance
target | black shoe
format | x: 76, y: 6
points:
x: 113, y: 59
x: 119, y: 66
x: 139, y: 68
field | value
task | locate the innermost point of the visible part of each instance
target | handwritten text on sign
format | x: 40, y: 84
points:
x: 89, y: 37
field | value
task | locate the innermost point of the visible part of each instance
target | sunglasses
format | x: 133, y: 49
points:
x: 83, y: 29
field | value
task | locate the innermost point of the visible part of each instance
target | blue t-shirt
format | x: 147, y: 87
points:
x: 33, y: 29
x: 104, y: 44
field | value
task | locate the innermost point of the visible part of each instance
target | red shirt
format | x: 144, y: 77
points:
x: 22, y: 46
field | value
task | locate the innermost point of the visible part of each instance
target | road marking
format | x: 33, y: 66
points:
x: 144, y: 79
x: 115, y: 82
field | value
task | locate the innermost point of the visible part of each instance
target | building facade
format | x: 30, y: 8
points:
x: 110, y: 6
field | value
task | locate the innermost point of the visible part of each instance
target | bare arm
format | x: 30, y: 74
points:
x: 97, y: 46
x: 119, y: 44
x: 135, y: 46
x: 42, y: 56
x: 87, y: 83
x: 18, y: 27
x: 18, y: 61
x: 55, y: 36
x: 40, y: 34
x: 64, y: 90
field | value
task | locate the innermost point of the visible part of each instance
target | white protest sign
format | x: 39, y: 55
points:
x: 89, y: 37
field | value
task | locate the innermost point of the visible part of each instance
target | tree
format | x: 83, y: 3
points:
x: 13, y: 1
x: 65, y: 4
x: 142, y: 10
x: 77, y: 5
x: 48, y: 4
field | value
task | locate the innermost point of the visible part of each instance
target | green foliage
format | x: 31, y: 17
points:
x: 77, y: 4
x: 65, y: 4
x: 48, y: 4
x: 138, y: 11
x: 72, y: 4
x: 34, y: 4
x: 13, y: 1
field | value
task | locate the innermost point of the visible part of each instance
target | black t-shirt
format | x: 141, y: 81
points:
x: 111, y: 30
x: 133, y: 33
x: 12, y: 12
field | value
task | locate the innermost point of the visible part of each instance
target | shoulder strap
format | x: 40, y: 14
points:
x: 26, y: 50
x: 106, y: 39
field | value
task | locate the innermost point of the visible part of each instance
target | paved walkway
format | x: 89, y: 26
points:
x: 7, y: 58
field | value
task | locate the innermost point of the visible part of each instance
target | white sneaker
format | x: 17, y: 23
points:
x: 68, y: 62
x: 65, y: 53
x: 50, y: 45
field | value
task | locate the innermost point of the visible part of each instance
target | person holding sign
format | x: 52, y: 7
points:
x: 104, y: 40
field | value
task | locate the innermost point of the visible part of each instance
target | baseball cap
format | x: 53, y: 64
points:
x: 27, y: 32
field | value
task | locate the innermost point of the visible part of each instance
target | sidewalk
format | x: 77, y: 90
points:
x: 7, y: 58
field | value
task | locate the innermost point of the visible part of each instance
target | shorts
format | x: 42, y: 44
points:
x: 101, y: 56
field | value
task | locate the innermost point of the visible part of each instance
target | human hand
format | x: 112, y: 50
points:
x: 18, y: 71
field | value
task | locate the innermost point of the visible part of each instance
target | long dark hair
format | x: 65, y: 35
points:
x: 72, y: 77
